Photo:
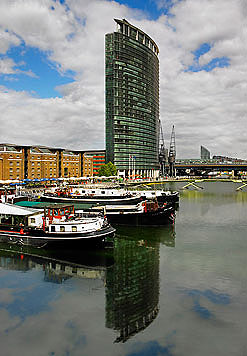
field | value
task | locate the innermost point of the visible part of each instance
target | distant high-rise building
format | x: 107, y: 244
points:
x: 132, y: 101
x: 205, y: 154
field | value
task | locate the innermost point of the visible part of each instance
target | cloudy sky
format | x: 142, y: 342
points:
x: 52, y: 71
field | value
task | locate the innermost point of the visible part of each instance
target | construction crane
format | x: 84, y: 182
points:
x: 172, y: 154
x: 163, y: 153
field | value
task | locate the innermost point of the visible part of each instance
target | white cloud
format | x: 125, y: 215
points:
x: 6, y: 40
x: 206, y: 108
x: 53, y: 122
x: 6, y: 66
x: 35, y: 22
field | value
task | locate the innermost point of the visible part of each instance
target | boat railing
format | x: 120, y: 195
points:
x: 89, y: 214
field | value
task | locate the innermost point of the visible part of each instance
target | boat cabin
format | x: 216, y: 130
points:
x: 60, y: 212
x: 16, y: 215
x: 56, y: 213
x: 59, y: 219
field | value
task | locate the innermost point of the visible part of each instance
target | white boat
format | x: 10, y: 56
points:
x: 54, y: 225
x: 91, y: 196
x: 162, y: 196
x: 107, y: 196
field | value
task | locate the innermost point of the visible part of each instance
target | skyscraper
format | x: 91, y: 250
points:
x: 205, y: 154
x: 132, y: 100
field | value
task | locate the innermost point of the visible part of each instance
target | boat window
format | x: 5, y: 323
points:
x: 93, y: 191
x: 83, y: 191
x: 102, y: 192
x: 52, y: 228
x: 74, y: 228
x: 62, y: 228
x: 32, y: 221
x: 153, y: 193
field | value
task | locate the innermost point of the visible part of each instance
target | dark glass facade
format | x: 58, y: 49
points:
x: 132, y: 99
x: 132, y: 287
x: 205, y: 154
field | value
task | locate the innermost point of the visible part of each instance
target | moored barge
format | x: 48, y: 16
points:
x: 107, y: 196
x: 144, y: 213
x: 91, y: 196
x: 52, y: 226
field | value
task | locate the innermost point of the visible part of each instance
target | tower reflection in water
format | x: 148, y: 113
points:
x: 129, y: 272
x: 132, y: 283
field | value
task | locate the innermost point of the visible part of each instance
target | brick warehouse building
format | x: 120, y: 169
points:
x: 37, y: 162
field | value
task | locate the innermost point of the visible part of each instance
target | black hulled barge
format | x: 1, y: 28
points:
x: 53, y: 225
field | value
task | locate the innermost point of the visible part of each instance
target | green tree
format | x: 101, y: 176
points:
x: 107, y: 170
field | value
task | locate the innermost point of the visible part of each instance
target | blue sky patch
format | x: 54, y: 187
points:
x: 214, y: 63
x: 34, y: 73
x: 204, y: 48
x: 61, y: 1
x: 166, y: 5
x: 150, y: 7
x: 153, y: 348
x: 217, y: 62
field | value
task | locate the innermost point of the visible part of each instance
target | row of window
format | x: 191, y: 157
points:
x: 132, y: 57
x: 128, y: 52
x: 62, y: 228
x: 136, y: 124
x: 137, y: 158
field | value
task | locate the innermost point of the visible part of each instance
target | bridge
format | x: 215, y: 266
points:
x: 204, y: 167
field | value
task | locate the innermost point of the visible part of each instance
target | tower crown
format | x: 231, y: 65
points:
x: 124, y: 27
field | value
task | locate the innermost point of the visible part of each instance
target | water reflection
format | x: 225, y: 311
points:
x: 132, y: 283
x: 212, y: 296
x: 57, y: 266
x: 129, y: 273
x: 213, y: 197
x: 204, y: 186
x: 164, y: 235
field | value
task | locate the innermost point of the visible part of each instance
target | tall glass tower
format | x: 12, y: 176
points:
x: 205, y: 154
x: 132, y: 101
